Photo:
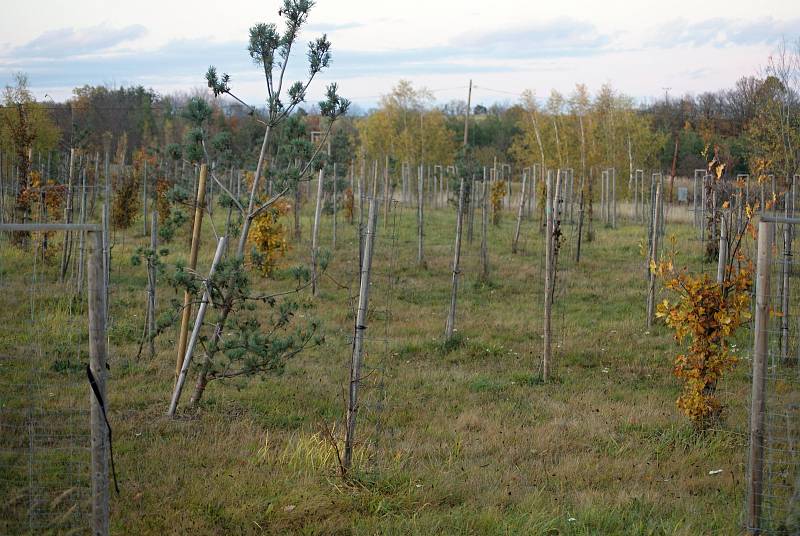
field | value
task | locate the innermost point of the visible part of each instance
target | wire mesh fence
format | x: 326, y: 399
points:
x: 773, y: 499
x: 45, y: 483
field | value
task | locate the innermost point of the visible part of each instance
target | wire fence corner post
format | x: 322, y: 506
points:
x: 97, y: 363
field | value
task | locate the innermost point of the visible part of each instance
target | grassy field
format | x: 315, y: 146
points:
x: 468, y: 440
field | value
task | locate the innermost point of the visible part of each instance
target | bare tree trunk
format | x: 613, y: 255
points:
x: 82, y: 236
x: 315, y: 235
x: 485, y: 229
x: 651, y: 289
x: 551, y: 199
x: 198, y: 324
x: 68, y: 216
x: 251, y: 205
x: 386, y: 192
x: 151, y: 284
x: 451, y: 316
x: 420, y: 218
x: 358, y: 338
x: 471, y: 208
x: 519, y: 216
x: 333, y: 238
x: 580, y: 228
x: 144, y: 199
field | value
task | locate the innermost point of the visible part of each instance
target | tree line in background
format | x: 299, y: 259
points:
x: 754, y: 126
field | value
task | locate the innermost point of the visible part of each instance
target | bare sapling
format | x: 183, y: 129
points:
x: 484, y: 276
x: 420, y: 219
x: 519, y: 215
x: 68, y: 216
x: 358, y: 337
x: 451, y: 316
x: 315, y: 234
x: 651, y: 287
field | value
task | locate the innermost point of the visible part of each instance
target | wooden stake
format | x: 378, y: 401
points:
x: 198, y: 324
x: 451, y: 316
x: 187, y: 297
x: 651, y: 288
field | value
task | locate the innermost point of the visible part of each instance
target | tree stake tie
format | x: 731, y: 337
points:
x: 96, y: 391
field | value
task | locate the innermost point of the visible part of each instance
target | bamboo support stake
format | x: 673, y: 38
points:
x: 358, y: 337
x: 187, y: 296
x: 766, y: 233
x: 97, y: 365
x: 198, y: 324
x: 315, y: 234
x: 451, y: 316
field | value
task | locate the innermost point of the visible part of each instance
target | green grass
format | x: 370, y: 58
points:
x: 469, y: 441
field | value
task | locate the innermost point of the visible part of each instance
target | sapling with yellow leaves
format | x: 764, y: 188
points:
x: 705, y: 314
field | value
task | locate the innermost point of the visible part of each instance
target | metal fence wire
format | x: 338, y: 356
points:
x: 773, y: 498
x: 45, y: 482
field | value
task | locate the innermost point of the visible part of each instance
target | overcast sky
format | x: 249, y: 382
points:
x: 505, y: 46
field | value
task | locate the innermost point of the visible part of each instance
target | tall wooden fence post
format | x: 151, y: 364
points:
x: 97, y: 364
x: 755, y: 475
x: 358, y: 338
